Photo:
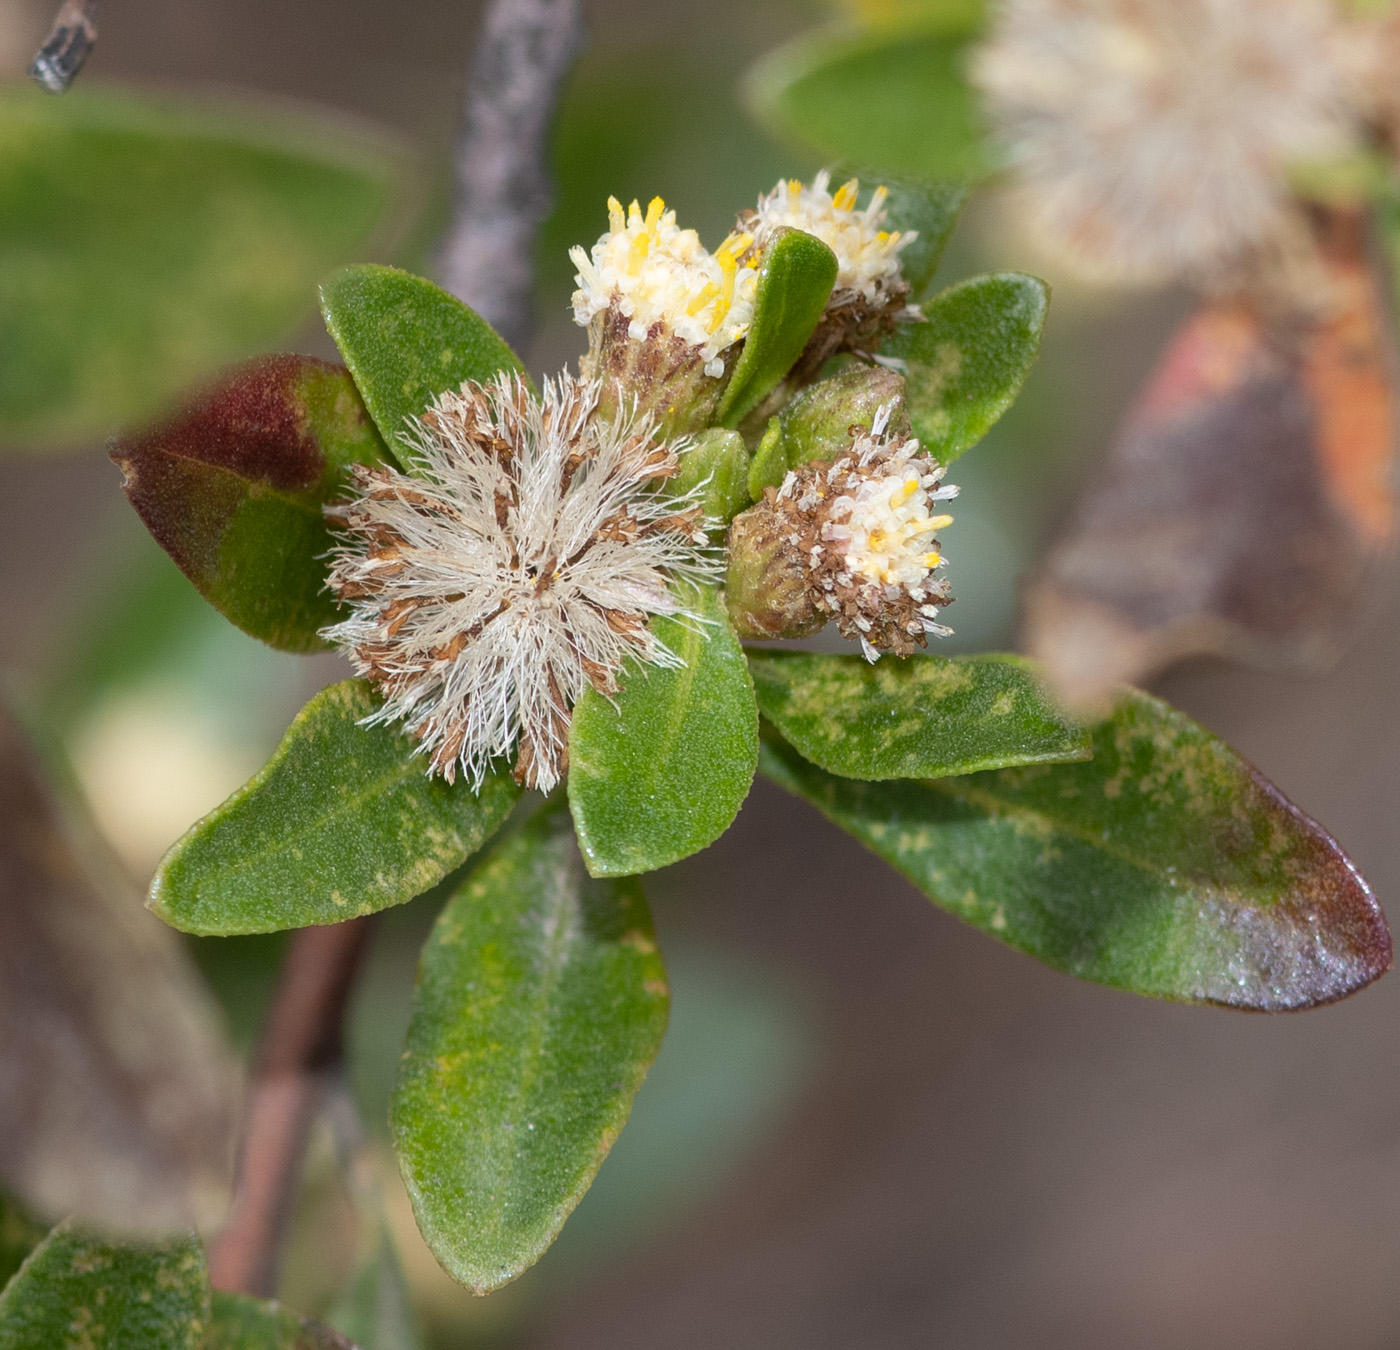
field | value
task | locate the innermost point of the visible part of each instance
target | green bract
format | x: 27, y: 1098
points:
x: 1162, y: 864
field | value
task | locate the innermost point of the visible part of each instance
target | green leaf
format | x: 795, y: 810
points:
x: 243, y: 1323
x: 343, y: 820
x: 969, y: 359
x: 232, y: 488
x: 78, y: 1290
x: 406, y: 341
x: 896, y: 99
x: 719, y: 460
x: 794, y: 283
x: 660, y: 772
x: 1165, y: 865
x: 150, y: 239
x: 541, y: 1002
x: 19, y: 1235
x: 924, y: 717
x: 930, y: 207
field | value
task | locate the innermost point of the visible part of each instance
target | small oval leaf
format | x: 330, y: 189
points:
x: 244, y: 1323
x: 794, y: 283
x: 969, y: 358
x: 896, y: 99
x: 149, y: 239
x: 406, y: 341
x: 1165, y: 865
x: 77, y: 1289
x: 661, y: 772
x: 541, y: 1002
x: 233, y: 485
x: 925, y: 717
x: 343, y: 820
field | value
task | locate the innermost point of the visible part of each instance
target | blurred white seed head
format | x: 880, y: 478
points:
x: 1152, y: 137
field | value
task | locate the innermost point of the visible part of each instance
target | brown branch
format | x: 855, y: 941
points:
x: 298, y: 1055
x: 68, y: 45
x: 503, y: 189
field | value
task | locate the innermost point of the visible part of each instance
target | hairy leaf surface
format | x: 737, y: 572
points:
x: 406, y: 341
x: 969, y: 358
x: 80, y: 1290
x: 232, y: 488
x: 925, y: 717
x: 541, y: 1002
x: 1165, y: 865
x: 661, y: 772
x: 343, y: 820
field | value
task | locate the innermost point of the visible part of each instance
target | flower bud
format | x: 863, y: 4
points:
x: 854, y: 541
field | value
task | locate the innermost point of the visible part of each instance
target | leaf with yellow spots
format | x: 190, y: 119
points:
x: 925, y: 717
x: 343, y: 820
x: 91, y: 1293
x: 1165, y: 865
x: 540, y: 1004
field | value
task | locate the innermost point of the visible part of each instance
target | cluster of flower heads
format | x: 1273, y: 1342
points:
x: 1154, y: 138
x: 520, y: 561
x: 856, y: 540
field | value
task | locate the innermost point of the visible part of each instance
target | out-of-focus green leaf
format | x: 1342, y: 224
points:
x: 232, y: 488
x: 896, y: 98
x: 924, y: 717
x: 147, y: 240
x: 1165, y: 865
x: 376, y: 1310
x: 406, y: 341
x: 81, y: 1292
x: 343, y: 820
x: 718, y: 460
x: 19, y: 1235
x: 928, y: 206
x: 243, y: 1323
x: 969, y: 359
x: 794, y: 283
x: 541, y: 1002
x: 660, y: 772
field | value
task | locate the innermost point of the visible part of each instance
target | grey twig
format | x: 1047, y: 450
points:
x: 503, y: 190
x: 68, y: 45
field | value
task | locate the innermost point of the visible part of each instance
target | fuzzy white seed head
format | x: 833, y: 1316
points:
x: 658, y: 273
x: 867, y: 254
x: 516, y: 567
x: 1152, y: 137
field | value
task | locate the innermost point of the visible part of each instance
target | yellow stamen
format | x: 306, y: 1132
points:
x: 634, y: 212
x: 617, y: 222
x: 655, y: 208
x: 637, y: 254
x: 707, y: 293
x: 932, y: 559
x: 845, y: 197
x: 940, y: 522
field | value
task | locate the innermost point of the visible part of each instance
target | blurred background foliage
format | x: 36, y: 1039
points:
x: 867, y: 1126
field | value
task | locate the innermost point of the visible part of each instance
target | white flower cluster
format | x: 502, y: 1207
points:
x: 1152, y: 137
x: 867, y: 254
x: 658, y: 273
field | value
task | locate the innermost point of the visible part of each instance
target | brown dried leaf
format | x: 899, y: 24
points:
x: 116, y: 1086
x: 1245, y: 502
